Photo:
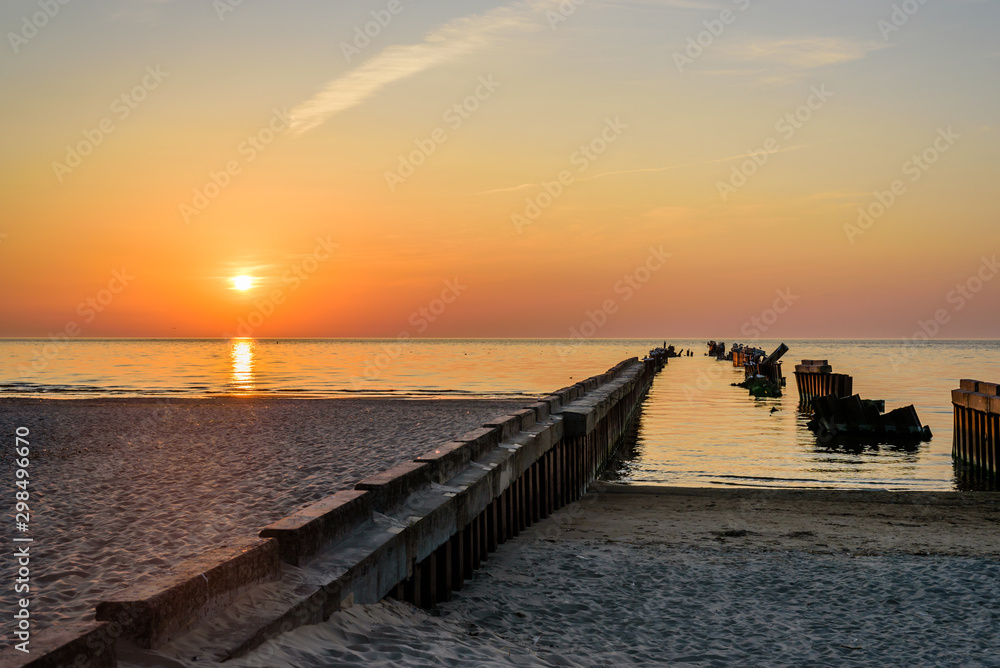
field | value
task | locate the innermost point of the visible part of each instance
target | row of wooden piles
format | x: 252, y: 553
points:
x: 977, y: 426
x: 839, y: 413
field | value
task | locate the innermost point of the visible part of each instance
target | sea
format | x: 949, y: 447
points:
x: 695, y: 428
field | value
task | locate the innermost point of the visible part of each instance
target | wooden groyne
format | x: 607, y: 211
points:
x: 840, y: 416
x: 977, y: 425
x: 761, y: 372
x: 415, y: 532
x: 744, y: 355
x: 815, y: 378
x: 717, y: 350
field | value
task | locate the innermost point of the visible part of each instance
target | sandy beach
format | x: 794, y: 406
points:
x: 704, y: 577
x: 122, y: 488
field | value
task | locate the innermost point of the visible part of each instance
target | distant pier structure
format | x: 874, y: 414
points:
x: 758, y: 363
x: 717, y: 349
x: 977, y: 423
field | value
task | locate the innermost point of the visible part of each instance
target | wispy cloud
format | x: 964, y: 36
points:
x: 778, y: 61
x: 666, y: 4
x: 454, y: 39
x: 803, y: 53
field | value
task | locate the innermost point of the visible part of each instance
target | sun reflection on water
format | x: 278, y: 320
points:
x: 242, y: 354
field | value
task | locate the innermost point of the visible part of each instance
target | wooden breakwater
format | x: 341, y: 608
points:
x: 841, y: 417
x: 416, y: 532
x: 762, y: 373
x: 745, y: 355
x: 977, y: 425
x: 815, y: 378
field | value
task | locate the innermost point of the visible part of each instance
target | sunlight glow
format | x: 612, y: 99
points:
x: 243, y: 282
x: 242, y: 358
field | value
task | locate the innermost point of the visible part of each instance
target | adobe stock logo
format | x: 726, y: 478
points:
x: 363, y: 35
x: 31, y: 25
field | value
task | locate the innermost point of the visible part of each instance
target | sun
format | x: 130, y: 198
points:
x: 243, y: 282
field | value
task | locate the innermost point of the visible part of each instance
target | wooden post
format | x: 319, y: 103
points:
x: 505, y: 514
x: 484, y: 539
x: 445, y: 577
x: 476, y: 530
x: 535, y: 496
x: 492, y: 526
x: 522, y: 507
x: 429, y: 580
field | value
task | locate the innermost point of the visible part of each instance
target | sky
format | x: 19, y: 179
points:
x: 599, y: 168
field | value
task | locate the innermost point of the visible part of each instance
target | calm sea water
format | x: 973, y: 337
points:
x: 695, y: 429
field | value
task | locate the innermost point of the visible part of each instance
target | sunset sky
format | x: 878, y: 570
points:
x: 713, y: 158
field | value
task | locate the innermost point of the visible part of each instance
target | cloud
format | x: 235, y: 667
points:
x: 454, y: 39
x: 779, y: 61
x: 803, y: 53
x: 511, y: 189
x: 667, y: 4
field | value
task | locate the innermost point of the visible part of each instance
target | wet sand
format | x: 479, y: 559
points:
x: 123, y: 488
x: 704, y: 577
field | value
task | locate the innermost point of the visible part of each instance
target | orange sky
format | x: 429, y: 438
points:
x: 834, y: 101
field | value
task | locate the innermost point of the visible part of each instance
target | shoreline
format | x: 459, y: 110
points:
x: 946, y: 523
x: 788, y: 493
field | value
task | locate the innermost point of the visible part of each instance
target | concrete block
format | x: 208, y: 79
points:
x: 989, y: 388
x: 579, y: 420
x: 979, y: 402
x: 535, y: 442
x: 565, y: 395
x: 83, y: 643
x: 527, y: 418
x: 447, y: 460
x: 437, y: 524
x: 479, y: 487
x: 555, y: 404
x: 326, y: 522
x: 368, y: 565
x: 969, y: 385
x: 508, y: 426
x: 481, y: 440
x: 541, y: 410
x: 153, y: 613
x: 960, y: 397
x: 995, y: 405
x: 391, y: 488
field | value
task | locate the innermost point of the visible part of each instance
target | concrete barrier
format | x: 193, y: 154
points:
x: 151, y: 614
x: 327, y: 522
x: 390, y: 489
x: 415, y: 531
